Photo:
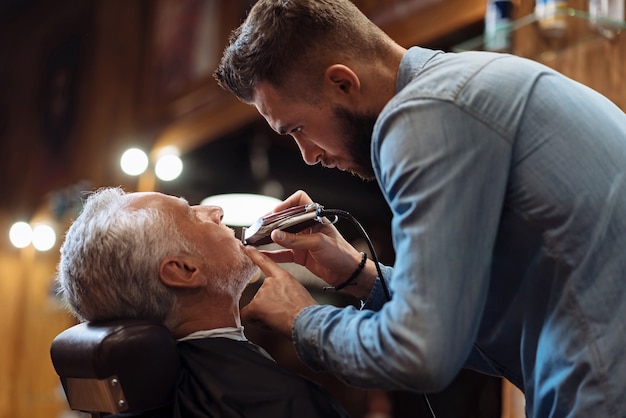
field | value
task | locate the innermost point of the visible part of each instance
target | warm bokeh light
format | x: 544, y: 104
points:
x: 21, y: 234
x: 134, y: 161
x: 44, y: 237
x: 168, y: 167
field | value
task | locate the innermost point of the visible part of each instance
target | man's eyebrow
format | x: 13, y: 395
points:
x: 188, y: 207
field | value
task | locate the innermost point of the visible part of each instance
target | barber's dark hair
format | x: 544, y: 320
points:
x: 280, y: 39
x: 109, y: 267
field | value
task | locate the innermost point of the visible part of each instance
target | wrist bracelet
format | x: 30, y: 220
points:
x: 354, y: 275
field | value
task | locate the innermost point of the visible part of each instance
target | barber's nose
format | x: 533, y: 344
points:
x: 311, y: 154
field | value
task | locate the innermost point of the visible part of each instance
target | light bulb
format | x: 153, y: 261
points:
x: 134, y: 161
x: 168, y: 167
x: 44, y: 237
x: 21, y: 234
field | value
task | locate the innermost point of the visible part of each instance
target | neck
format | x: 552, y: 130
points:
x: 383, y: 78
x: 392, y: 68
x: 185, y: 320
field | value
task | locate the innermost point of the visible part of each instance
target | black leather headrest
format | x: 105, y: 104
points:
x: 141, y: 354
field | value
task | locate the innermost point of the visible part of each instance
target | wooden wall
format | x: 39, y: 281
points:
x: 580, y: 53
x: 116, y: 106
x: 105, y: 38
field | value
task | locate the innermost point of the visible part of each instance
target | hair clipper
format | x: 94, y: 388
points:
x: 293, y: 219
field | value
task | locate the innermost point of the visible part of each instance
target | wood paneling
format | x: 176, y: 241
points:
x: 108, y: 61
x: 580, y: 53
x: 212, y: 112
x: 117, y: 108
x: 31, y: 318
x: 422, y: 22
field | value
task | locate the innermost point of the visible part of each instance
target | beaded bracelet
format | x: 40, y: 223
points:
x: 354, y: 275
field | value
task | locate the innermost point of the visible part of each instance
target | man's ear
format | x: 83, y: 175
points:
x: 181, y: 271
x: 342, y: 80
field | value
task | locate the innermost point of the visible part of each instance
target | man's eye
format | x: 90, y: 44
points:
x: 194, y: 215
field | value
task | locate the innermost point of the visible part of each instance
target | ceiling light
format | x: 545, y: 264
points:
x: 44, y: 237
x: 21, y: 234
x: 168, y: 167
x: 134, y: 161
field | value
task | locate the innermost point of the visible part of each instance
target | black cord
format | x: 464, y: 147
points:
x: 338, y: 213
x: 430, y: 408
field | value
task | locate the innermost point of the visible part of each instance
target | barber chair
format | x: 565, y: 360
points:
x: 126, y: 368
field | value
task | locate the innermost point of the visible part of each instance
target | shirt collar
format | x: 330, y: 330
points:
x: 233, y: 333
x: 413, y: 62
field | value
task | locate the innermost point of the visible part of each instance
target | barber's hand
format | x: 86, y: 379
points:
x: 298, y: 198
x: 279, y: 299
x: 320, y: 248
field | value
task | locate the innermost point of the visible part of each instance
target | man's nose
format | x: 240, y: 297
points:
x: 212, y: 213
x: 311, y: 154
x: 217, y: 214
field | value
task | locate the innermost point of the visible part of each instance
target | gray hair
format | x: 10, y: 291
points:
x: 109, y: 266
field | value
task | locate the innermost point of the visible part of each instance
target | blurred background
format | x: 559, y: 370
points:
x: 83, y: 81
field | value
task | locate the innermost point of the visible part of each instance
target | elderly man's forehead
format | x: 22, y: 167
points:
x: 154, y: 200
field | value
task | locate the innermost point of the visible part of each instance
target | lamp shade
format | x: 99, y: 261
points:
x: 242, y: 209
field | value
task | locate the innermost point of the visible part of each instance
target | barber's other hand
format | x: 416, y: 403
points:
x: 279, y: 299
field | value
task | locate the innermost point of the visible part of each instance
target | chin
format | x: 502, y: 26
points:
x: 250, y: 270
x: 366, y: 175
x: 255, y: 276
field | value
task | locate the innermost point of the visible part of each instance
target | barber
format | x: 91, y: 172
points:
x: 507, y: 186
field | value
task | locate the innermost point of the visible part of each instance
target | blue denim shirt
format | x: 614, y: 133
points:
x: 507, y: 183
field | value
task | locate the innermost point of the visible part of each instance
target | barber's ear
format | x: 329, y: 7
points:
x: 342, y: 80
x: 181, y: 272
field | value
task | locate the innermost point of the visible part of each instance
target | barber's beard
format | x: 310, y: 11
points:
x: 356, y: 129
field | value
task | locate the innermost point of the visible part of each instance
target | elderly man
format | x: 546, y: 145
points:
x: 154, y: 257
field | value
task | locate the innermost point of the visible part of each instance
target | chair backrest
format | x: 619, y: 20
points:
x: 124, y: 367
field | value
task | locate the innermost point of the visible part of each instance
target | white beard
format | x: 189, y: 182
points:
x: 235, y: 276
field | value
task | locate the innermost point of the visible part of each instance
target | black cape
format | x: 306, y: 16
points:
x: 221, y: 377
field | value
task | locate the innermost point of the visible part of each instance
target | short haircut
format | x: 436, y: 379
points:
x: 282, y: 41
